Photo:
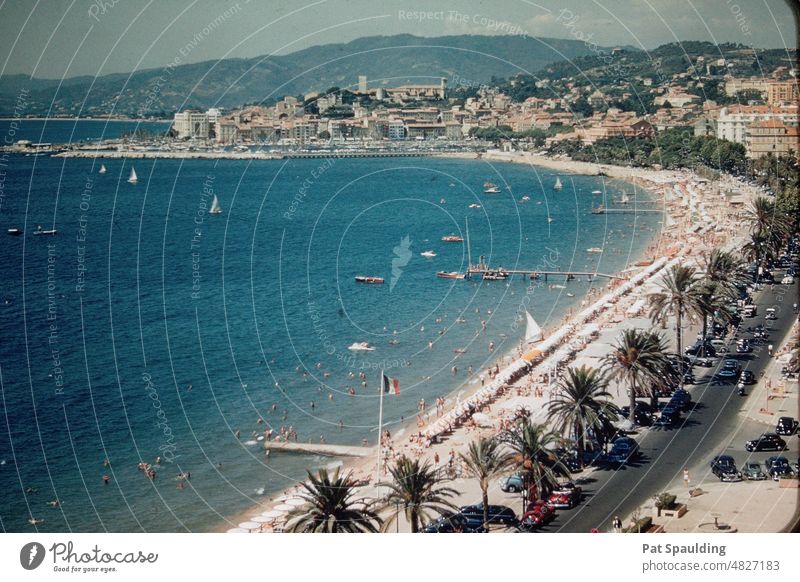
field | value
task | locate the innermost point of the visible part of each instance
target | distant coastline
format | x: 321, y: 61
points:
x: 115, y: 119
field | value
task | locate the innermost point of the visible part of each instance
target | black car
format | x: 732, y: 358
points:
x: 668, y: 418
x: 642, y: 414
x: 747, y: 377
x: 752, y: 472
x: 497, y: 514
x: 455, y: 523
x: 766, y: 442
x: 697, y: 350
x: 704, y: 362
x: 743, y: 347
x: 688, y: 378
x: 724, y: 467
x: 680, y: 399
x: 778, y: 467
x: 786, y: 426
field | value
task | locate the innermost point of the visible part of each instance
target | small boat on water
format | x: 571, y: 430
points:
x: 102, y: 169
x: 599, y: 209
x: 360, y: 347
x: 624, y: 199
x: 14, y: 231
x: 524, y: 198
x: 428, y: 254
x: 442, y: 201
x: 495, y: 275
x: 453, y: 238
x: 40, y: 231
x: 594, y: 250
x: 474, y: 205
x: 597, y: 192
x: 460, y: 350
x: 558, y: 185
x: 550, y: 219
x: 133, y: 178
x: 215, y: 207
x: 490, y: 188
x: 450, y: 275
x: 369, y: 280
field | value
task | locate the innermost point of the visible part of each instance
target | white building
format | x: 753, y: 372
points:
x: 191, y: 124
x: 732, y: 122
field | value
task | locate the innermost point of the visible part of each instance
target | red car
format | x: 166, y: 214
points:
x: 539, y: 513
x: 567, y: 496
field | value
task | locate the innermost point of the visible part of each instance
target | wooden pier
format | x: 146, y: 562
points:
x: 568, y: 275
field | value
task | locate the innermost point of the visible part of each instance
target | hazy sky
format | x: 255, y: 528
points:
x: 63, y: 38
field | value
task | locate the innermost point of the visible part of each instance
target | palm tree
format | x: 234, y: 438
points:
x: 532, y: 453
x: 638, y: 358
x: 711, y: 300
x: 415, y: 488
x: 677, y: 295
x: 484, y: 461
x: 581, y: 406
x: 767, y: 223
x: 329, y: 507
x: 724, y: 268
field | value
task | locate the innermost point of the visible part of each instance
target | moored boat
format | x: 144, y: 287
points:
x: 490, y: 188
x: 215, y: 207
x: 450, y: 275
x: 360, y: 347
x: 40, y: 231
x: 14, y: 231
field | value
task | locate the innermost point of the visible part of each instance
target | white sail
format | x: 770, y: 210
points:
x: 102, y: 169
x: 557, y: 185
x: 215, y: 208
x: 533, y: 333
x: 133, y: 178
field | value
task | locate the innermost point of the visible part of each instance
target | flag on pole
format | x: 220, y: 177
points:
x: 391, y: 385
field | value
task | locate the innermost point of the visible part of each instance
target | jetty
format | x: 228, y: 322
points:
x: 483, y: 270
x: 320, y: 449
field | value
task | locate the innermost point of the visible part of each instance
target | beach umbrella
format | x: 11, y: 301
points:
x: 261, y: 519
x: 295, y: 502
x: 482, y: 419
x: 283, y: 507
x: 272, y: 513
x: 249, y: 525
x: 238, y: 530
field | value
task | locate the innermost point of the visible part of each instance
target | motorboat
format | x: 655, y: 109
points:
x: 40, y: 231
x: 495, y: 275
x: 450, y: 275
x: 428, y: 254
x: 360, y: 347
x: 14, y: 231
x: 597, y: 192
x: 490, y: 188
x: 594, y: 250
x: 215, y: 207
x: 525, y: 198
x: 474, y: 205
x: 453, y: 238
x: 369, y: 280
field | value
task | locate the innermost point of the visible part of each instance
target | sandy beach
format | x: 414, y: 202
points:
x: 698, y: 216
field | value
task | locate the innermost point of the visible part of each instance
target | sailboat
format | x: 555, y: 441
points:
x: 215, y: 208
x: 533, y: 333
x: 490, y: 188
x: 102, y: 169
x: 133, y: 179
x: 624, y: 199
x: 558, y: 185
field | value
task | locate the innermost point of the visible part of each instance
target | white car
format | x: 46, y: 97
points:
x: 787, y: 280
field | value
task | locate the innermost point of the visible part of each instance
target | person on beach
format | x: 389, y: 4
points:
x: 686, y: 477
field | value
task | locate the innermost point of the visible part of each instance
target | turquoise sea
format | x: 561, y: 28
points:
x: 148, y: 327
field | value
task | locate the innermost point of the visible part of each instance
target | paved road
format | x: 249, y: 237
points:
x: 708, y: 429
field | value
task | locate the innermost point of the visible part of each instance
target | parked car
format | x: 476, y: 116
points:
x: 680, y: 399
x: 642, y: 414
x: 455, y: 523
x: 670, y: 416
x: 771, y: 314
x: 704, y: 362
x: 498, y: 514
x: 786, y: 426
x: 564, y: 498
x: 743, y: 347
x: 511, y: 484
x: 752, y: 472
x: 730, y: 369
x: 537, y: 514
x: 695, y: 349
x: 778, y: 467
x: 787, y: 280
x: 766, y: 442
x: 724, y: 467
x: 747, y: 377
x: 623, y: 449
